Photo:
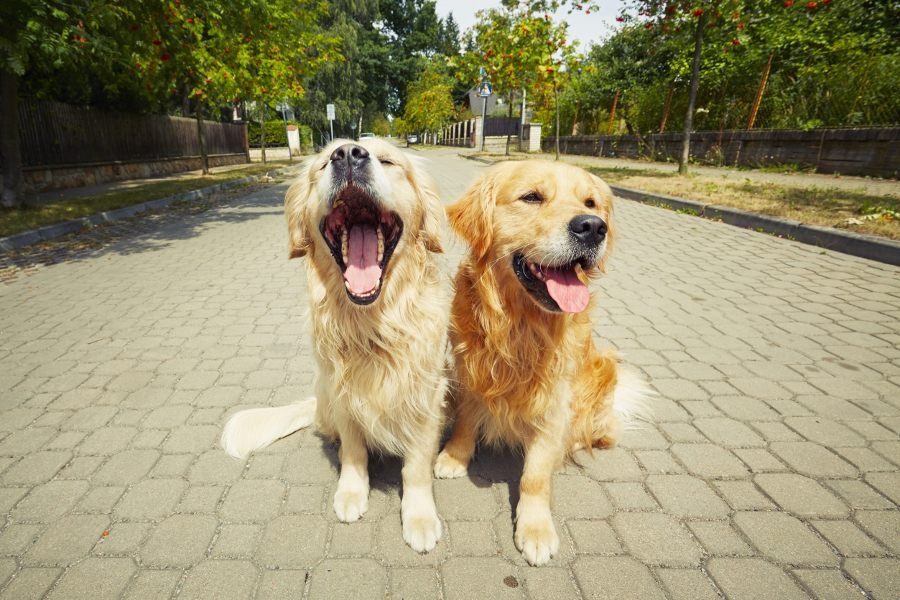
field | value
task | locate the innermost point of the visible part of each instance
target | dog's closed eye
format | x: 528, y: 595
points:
x: 386, y: 161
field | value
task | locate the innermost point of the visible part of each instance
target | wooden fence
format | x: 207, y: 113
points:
x: 55, y: 135
x: 873, y: 152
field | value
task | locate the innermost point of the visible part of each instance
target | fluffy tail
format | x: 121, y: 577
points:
x: 630, y: 398
x: 256, y: 428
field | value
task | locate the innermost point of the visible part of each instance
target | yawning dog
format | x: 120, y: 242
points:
x: 528, y: 372
x: 368, y: 222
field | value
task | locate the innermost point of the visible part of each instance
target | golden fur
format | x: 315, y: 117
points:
x: 380, y: 367
x: 527, y: 377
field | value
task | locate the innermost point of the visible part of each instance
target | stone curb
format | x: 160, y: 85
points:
x: 42, y: 234
x: 865, y: 246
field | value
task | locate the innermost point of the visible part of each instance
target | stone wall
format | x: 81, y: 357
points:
x: 58, y: 177
x: 868, y: 152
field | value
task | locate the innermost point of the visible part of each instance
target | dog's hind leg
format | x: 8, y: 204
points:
x: 351, y: 499
x: 421, y: 525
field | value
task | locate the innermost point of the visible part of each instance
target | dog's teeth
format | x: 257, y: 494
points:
x: 344, y: 242
x: 380, y: 244
x: 536, y: 271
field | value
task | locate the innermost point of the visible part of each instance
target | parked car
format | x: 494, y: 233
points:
x: 367, y: 135
x: 412, y: 139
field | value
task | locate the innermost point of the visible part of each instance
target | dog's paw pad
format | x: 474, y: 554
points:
x: 349, y: 506
x: 422, y: 532
x: 447, y: 467
x: 538, y: 542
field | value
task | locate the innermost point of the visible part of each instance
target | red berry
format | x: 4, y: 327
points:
x: 156, y: 42
x: 811, y: 5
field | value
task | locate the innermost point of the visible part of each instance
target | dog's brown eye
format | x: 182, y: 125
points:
x: 590, y: 203
x: 532, y: 198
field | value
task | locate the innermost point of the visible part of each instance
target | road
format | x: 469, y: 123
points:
x: 770, y: 468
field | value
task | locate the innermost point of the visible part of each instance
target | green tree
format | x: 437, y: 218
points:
x: 429, y: 106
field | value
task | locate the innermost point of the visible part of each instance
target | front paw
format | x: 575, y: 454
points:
x: 422, y: 531
x: 447, y: 467
x: 350, y: 505
x: 537, y: 540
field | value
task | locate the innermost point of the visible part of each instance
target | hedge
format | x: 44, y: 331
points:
x: 276, y: 135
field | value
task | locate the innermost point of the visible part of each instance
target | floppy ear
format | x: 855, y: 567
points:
x: 432, y: 215
x: 294, y: 209
x: 472, y: 216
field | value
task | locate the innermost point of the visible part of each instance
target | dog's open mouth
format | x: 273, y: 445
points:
x: 557, y: 288
x: 361, y: 237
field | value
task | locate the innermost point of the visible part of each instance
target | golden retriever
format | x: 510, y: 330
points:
x: 527, y: 370
x: 368, y: 222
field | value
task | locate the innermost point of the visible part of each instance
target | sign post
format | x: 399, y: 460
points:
x: 484, y: 90
x: 329, y: 111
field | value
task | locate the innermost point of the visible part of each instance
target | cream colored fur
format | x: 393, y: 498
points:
x: 381, y: 377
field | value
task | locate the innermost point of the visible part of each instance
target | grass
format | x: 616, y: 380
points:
x: 827, y: 206
x: 14, y: 221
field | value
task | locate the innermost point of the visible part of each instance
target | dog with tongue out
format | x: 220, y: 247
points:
x: 528, y: 372
x: 367, y: 220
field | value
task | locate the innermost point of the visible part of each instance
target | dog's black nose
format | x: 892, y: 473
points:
x: 355, y: 155
x: 588, y: 229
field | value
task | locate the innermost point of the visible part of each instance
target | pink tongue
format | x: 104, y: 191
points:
x: 570, y: 294
x: 362, y: 272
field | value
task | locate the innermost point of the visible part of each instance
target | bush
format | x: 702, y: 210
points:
x: 277, y: 136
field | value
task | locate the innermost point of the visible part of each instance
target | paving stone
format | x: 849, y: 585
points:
x: 812, y: 459
x: 236, y: 540
x: 283, y: 584
x: 719, y: 538
x: 153, y: 584
x: 886, y: 483
x: 16, y: 538
x: 878, y: 576
x: 883, y: 526
x: 744, y: 408
x: 351, y: 578
x: 49, y: 501
x: 552, y: 583
x: 123, y: 538
x: 594, y: 537
x: 616, y: 464
x: 801, y: 495
x: 296, y: 541
x: 100, y: 500
x: 470, y: 538
x: 687, y: 584
x: 36, y: 468
x: 67, y: 540
x: 728, y: 432
x: 825, y: 431
x: 467, y: 578
x: 150, y: 499
x: 630, y: 496
x: 848, y: 538
x: 7, y: 567
x: 578, y: 497
x: 759, y: 460
x: 214, y: 579
x: 170, y: 546
x: 657, y: 461
x: 615, y: 577
x: 465, y: 498
x: 30, y: 583
x: 91, y: 417
x: 171, y: 465
x: 200, y: 499
x: 265, y: 466
x: 305, y: 499
x: 253, y: 500
x: 752, y: 579
x: 192, y: 439
x: 657, y: 539
x: 126, y: 467
x: 785, y: 539
x: 215, y: 467
x: 864, y: 459
x: 80, y: 467
x: 708, y: 460
x: 686, y: 496
x: 9, y: 496
x: 827, y: 584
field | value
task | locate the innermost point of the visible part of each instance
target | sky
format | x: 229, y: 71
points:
x: 586, y: 28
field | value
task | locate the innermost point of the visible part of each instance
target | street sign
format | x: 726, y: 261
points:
x: 329, y: 110
x: 484, y: 89
x: 482, y: 72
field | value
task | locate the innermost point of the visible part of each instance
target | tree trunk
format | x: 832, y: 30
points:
x: 13, y: 193
x: 508, y: 116
x: 201, y: 137
x: 262, y: 133
x: 695, y: 82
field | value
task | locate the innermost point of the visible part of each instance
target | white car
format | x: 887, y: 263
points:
x: 367, y: 135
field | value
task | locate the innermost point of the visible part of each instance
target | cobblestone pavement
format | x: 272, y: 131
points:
x: 771, y: 468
